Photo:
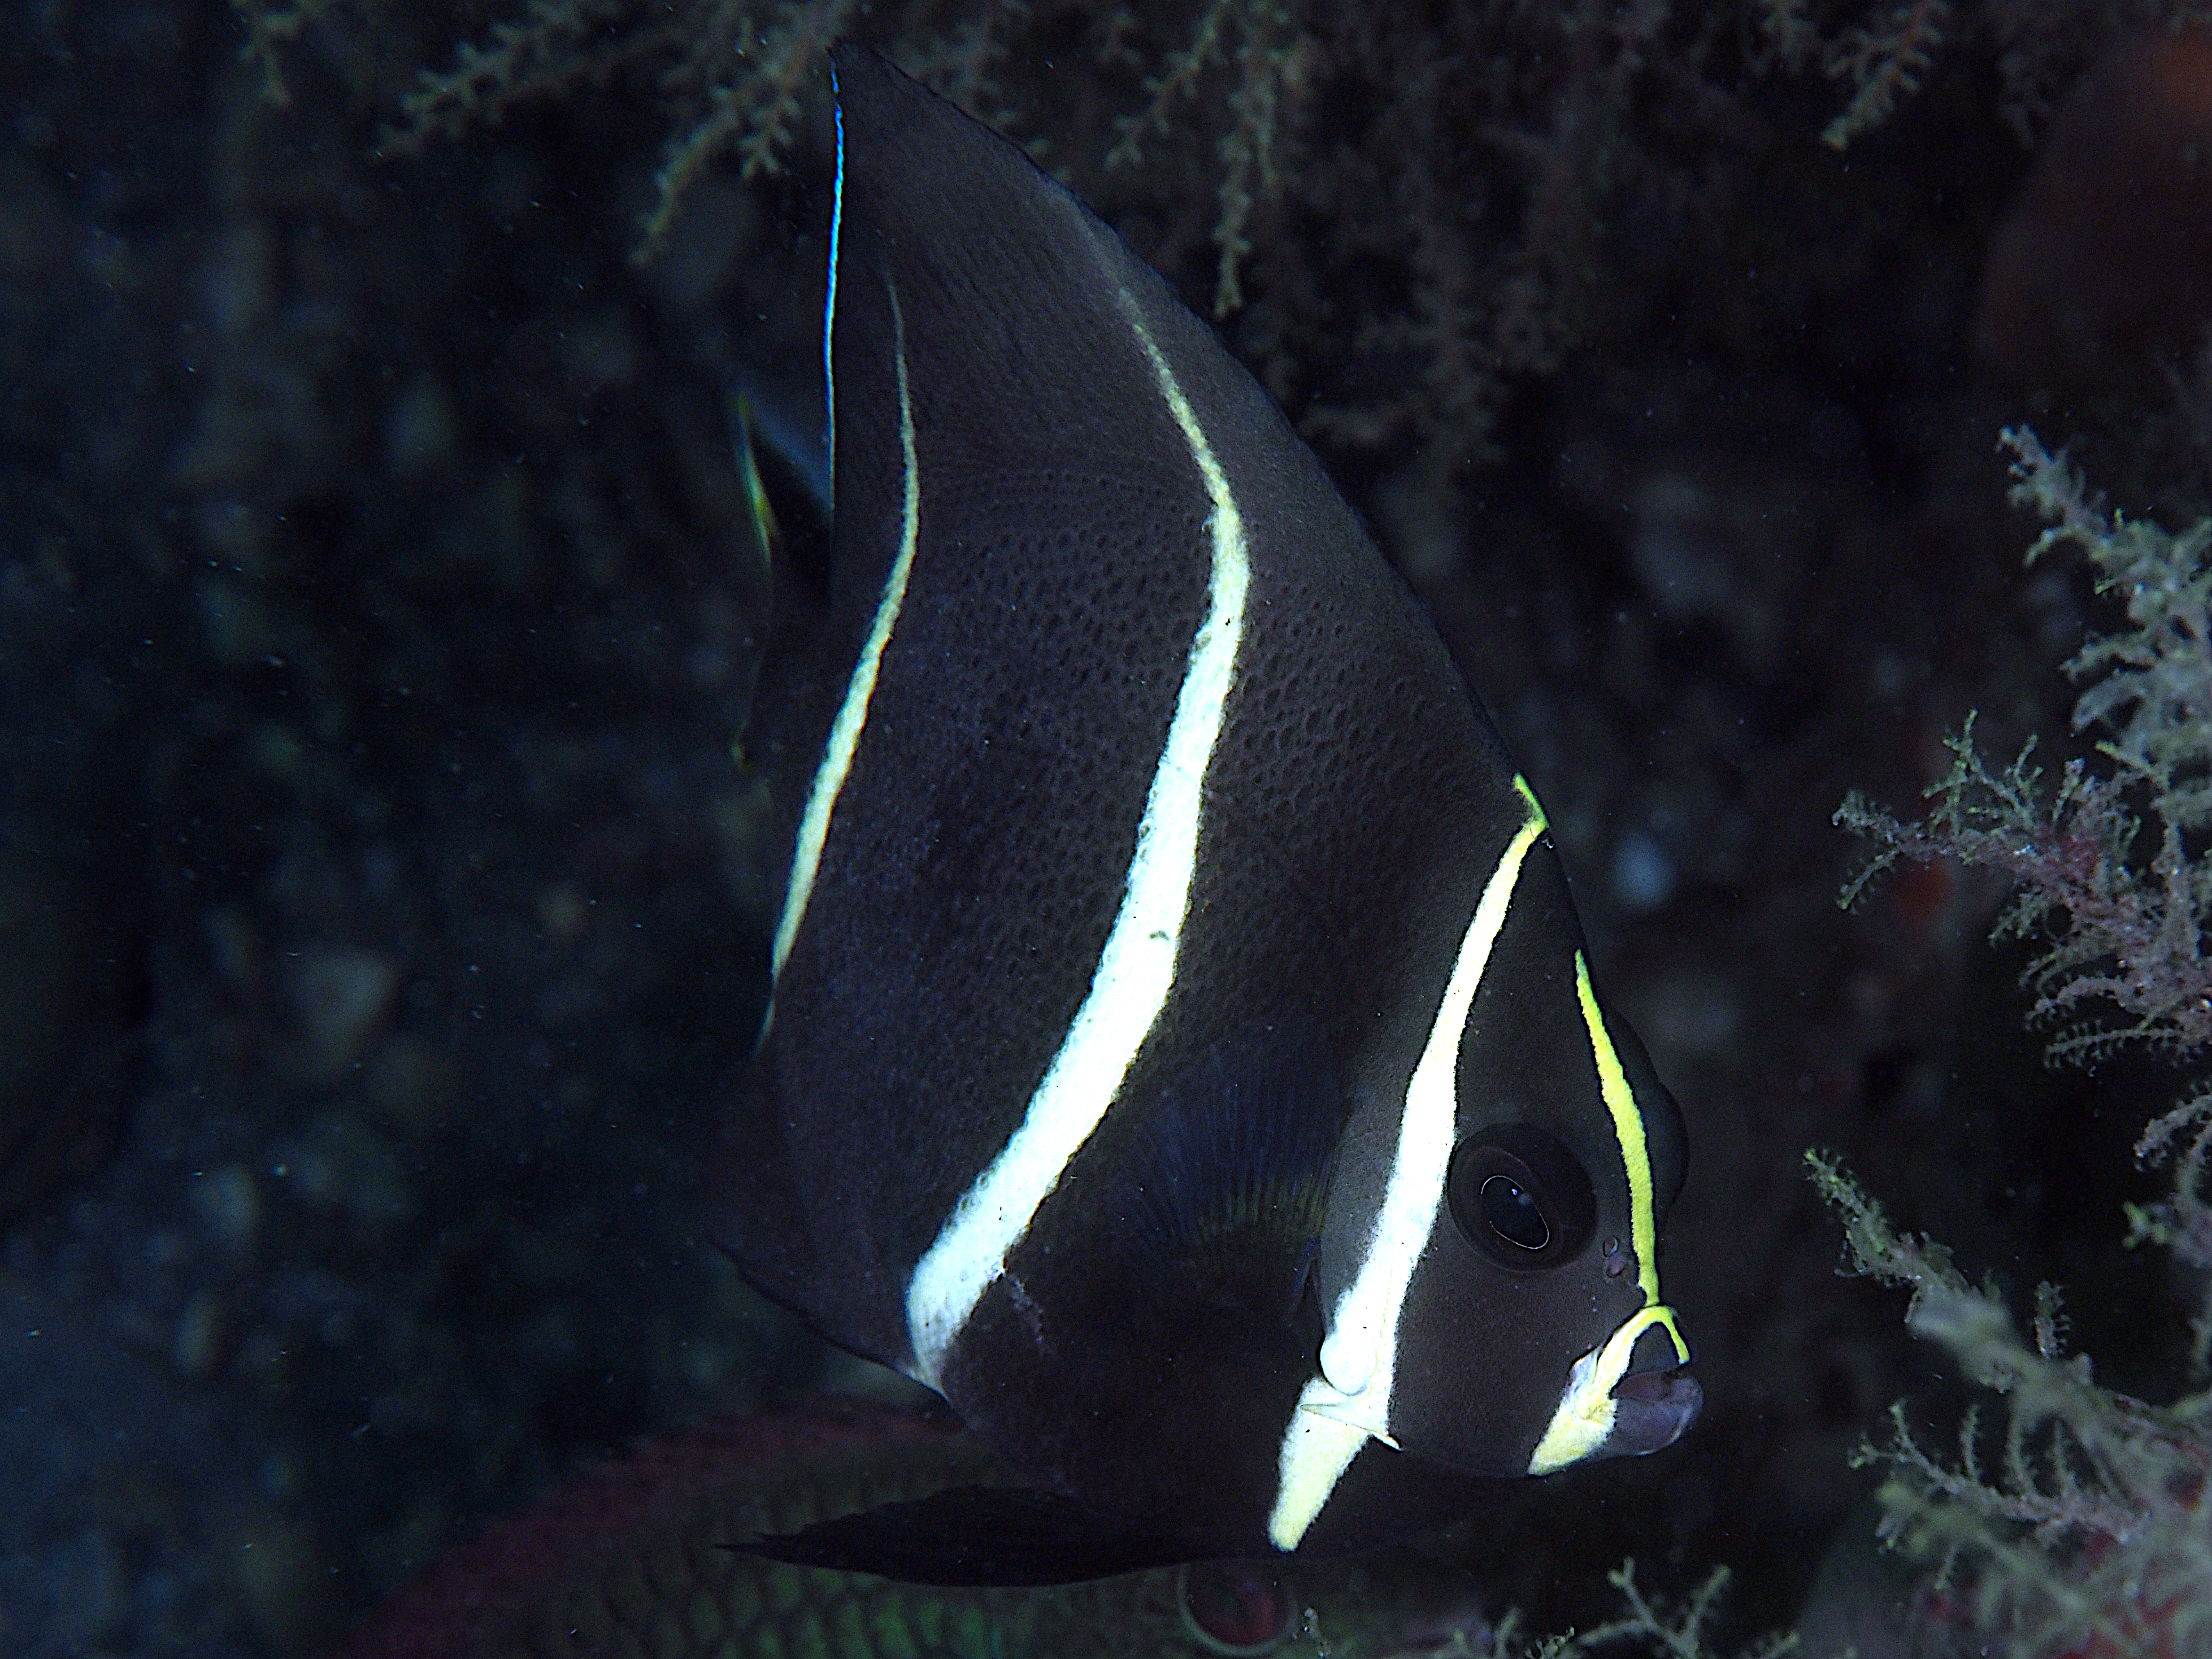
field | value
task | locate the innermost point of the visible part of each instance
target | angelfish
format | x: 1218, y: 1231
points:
x: 1182, y: 1054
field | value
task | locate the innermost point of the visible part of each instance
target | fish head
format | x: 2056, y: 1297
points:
x: 1568, y: 1152
x: 1530, y: 1333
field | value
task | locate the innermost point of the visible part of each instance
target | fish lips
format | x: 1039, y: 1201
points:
x: 1652, y: 1410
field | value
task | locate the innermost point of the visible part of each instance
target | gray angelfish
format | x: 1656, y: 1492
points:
x: 1182, y: 1054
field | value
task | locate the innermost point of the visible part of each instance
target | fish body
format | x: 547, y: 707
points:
x: 1182, y: 1054
x: 634, y: 1559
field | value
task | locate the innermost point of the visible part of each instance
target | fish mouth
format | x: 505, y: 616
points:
x: 1628, y: 1398
x: 1651, y: 1411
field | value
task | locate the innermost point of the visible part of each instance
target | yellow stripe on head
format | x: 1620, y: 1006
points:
x: 1586, y: 1411
x: 1628, y: 1129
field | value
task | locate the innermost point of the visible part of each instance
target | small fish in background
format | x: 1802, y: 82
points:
x: 1182, y: 1054
x: 634, y: 1560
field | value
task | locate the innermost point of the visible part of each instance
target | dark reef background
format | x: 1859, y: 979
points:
x: 381, y: 902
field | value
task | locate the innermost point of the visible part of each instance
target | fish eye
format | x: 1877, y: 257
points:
x: 1512, y: 1213
x: 1520, y: 1197
x: 1234, y: 1607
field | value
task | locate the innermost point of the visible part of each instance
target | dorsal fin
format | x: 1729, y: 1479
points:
x: 1022, y: 333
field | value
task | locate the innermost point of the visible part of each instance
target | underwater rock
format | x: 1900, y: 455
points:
x: 72, y: 998
x: 339, y: 996
x: 2099, y: 277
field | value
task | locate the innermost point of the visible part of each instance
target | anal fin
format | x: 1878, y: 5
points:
x: 974, y: 1536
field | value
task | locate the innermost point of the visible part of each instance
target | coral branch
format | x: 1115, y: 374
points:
x: 2092, y: 1531
x: 2126, y: 931
x: 1884, y: 64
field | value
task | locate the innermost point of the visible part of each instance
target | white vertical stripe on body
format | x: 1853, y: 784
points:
x: 851, y: 719
x: 1316, y: 1452
x: 1358, y: 1354
x: 1135, y: 971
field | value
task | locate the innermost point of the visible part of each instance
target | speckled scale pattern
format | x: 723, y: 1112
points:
x: 678, y: 1596
x: 994, y: 808
x: 990, y: 811
x: 752, y: 1610
x: 989, y: 818
x: 1303, y: 894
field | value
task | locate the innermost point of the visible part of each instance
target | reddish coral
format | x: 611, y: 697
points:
x: 462, y: 1604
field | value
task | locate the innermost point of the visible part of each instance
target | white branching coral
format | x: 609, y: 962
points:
x: 2078, y: 1524
x: 2150, y: 685
x: 1883, y: 50
x: 1656, y: 1626
x: 1261, y: 42
x: 734, y: 78
x: 2126, y: 931
x: 1884, y: 63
